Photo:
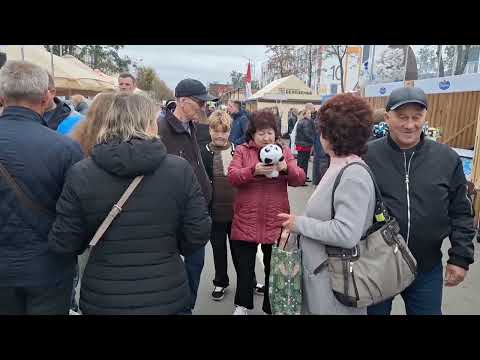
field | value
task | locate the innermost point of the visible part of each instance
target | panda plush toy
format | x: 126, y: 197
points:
x: 271, y: 155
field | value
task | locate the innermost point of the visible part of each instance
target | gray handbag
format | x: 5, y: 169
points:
x: 379, y: 267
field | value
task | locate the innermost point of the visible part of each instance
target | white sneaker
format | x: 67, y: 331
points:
x: 73, y: 312
x: 240, y: 310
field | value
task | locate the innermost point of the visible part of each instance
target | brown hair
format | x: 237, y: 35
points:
x: 346, y: 122
x: 260, y: 120
x: 220, y: 118
x: 127, y: 75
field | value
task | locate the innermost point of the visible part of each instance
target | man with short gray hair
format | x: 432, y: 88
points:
x: 33, y: 164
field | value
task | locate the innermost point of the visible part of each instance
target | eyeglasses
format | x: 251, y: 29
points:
x: 200, y: 103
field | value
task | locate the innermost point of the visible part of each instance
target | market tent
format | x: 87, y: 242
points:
x: 70, y: 77
x: 289, y: 88
x: 284, y: 93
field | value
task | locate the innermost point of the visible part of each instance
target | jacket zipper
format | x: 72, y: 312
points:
x: 407, y: 184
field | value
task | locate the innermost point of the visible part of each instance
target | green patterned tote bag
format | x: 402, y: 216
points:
x: 285, y: 284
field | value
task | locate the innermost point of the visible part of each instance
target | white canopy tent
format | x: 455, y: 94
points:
x: 70, y: 77
x: 284, y: 93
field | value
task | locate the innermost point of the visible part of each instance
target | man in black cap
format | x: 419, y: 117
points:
x: 424, y: 188
x: 178, y: 132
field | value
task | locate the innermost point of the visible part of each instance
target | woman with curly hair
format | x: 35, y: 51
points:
x: 344, y: 123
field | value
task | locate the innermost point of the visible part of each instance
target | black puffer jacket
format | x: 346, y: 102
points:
x: 136, y: 266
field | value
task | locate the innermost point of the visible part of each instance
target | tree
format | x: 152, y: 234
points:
x: 102, y: 57
x: 237, y: 79
x: 105, y: 58
x: 149, y: 81
x: 427, y: 60
x: 61, y: 50
x: 145, y: 77
x: 462, y: 58
x: 281, y: 60
x: 160, y: 91
x: 338, y: 52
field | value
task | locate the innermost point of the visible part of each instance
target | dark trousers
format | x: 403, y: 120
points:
x: 194, y: 266
x: 320, y: 167
x: 302, y: 158
x: 218, y: 239
x: 244, y: 256
x: 52, y: 300
x: 422, y: 297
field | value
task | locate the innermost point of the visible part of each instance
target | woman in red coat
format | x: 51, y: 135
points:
x: 258, y: 201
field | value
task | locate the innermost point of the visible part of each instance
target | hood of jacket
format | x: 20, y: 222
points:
x: 129, y: 158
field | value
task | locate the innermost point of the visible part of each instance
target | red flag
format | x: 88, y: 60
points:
x: 248, y: 82
x: 249, y: 74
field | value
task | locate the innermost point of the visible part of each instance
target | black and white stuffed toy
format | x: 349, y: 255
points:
x: 271, y: 154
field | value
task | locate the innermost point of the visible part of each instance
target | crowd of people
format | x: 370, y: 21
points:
x: 68, y: 171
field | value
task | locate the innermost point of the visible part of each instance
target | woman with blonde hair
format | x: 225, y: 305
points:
x: 136, y: 266
x: 86, y: 132
x: 216, y: 156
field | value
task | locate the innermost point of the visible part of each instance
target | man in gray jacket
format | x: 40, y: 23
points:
x: 424, y: 188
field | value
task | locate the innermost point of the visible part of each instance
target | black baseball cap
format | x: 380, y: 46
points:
x: 193, y: 88
x: 406, y: 95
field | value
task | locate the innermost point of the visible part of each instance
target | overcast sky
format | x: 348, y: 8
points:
x: 206, y: 63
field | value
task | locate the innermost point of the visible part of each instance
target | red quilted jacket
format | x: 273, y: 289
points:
x: 259, y: 199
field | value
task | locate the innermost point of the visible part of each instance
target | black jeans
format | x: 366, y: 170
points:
x: 218, y: 239
x: 54, y: 300
x: 244, y: 255
x: 302, y: 159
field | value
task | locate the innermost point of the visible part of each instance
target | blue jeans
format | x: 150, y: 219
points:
x: 422, y: 297
x: 194, y: 265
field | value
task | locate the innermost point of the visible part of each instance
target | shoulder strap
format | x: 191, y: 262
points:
x: 379, y: 206
x: 21, y: 194
x: 115, y: 210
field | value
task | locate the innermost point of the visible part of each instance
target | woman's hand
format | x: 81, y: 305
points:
x: 289, y: 222
x: 262, y: 169
x: 282, y: 166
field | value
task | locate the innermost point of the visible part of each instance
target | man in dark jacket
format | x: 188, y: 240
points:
x: 304, y: 140
x: 33, y: 280
x: 58, y: 111
x: 240, y: 122
x: 424, y: 187
x: 178, y: 132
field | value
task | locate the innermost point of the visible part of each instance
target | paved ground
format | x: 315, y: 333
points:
x: 461, y: 300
